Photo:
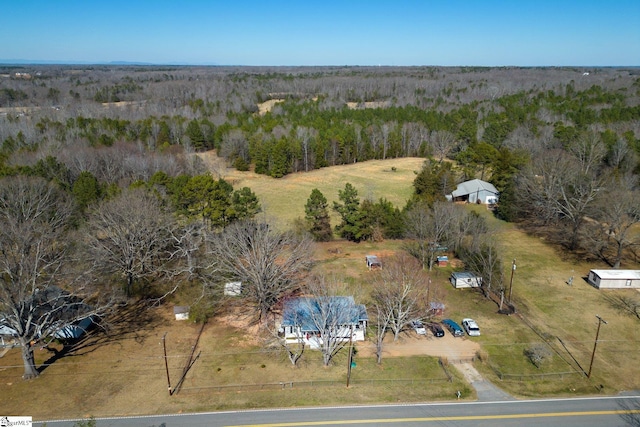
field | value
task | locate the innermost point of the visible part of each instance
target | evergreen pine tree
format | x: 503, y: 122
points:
x: 351, y: 226
x: 317, y: 216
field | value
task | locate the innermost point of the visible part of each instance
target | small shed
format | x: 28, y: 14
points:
x: 181, y: 312
x: 233, y: 289
x: 442, y: 261
x: 614, y: 279
x: 373, y: 262
x: 465, y: 279
x: 436, y: 308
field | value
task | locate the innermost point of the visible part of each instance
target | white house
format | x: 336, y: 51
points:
x: 474, y: 191
x: 614, y: 279
x: 67, y: 332
x: 465, y: 279
x: 301, y: 318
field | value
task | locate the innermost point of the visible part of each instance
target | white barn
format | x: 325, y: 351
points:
x: 475, y: 191
x: 614, y: 279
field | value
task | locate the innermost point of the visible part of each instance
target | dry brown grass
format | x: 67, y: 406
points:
x: 125, y: 375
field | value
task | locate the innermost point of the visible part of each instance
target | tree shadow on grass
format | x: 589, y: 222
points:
x: 557, y: 238
x: 127, y: 321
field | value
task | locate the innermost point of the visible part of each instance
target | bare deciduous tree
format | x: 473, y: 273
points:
x: 130, y: 235
x: 443, y: 143
x: 484, y: 259
x: 400, y: 292
x: 616, y: 213
x: 382, y: 321
x: 36, y: 301
x: 556, y: 189
x: 269, y: 263
x: 430, y: 229
x: 589, y: 150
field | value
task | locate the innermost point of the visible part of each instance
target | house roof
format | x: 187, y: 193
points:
x: 180, y: 309
x: 311, y: 314
x: 463, y: 275
x: 618, y: 274
x: 473, y: 186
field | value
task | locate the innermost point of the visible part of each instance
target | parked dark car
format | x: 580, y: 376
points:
x: 453, y: 327
x: 436, y: 329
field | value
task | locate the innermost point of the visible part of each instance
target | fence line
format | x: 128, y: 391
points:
x: 314, y: 383
x: 522, y: 377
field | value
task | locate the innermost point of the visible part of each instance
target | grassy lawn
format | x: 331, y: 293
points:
x: 123, y: 372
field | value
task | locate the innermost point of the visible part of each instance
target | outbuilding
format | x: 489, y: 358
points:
x: 181, y: 312
x: 475, y: 191
x: 465, y: 279
x: 614, y: 279
x: 233, y: 289
x: 373, y: 262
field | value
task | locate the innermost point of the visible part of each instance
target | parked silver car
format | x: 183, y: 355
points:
x: 418, y: 327
x: 472, y: 328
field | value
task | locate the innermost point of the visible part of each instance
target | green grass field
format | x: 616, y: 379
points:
x: 283, y: 199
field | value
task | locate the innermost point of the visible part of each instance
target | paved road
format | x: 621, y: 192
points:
x: 586, y: 412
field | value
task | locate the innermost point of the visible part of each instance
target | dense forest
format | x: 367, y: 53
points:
x: 124, y: 124
x: 99, y: 184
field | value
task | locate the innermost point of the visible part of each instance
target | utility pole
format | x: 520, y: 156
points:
x: 595, y: 344
x: 166, y: 364
x: 350, y: 358
x: 513, y: 268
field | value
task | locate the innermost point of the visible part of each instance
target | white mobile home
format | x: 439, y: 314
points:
x: 465, y: 279
x: 614, y: 279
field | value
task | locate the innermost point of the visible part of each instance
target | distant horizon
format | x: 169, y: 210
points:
x: 252, y: 33
x: 9, y: 62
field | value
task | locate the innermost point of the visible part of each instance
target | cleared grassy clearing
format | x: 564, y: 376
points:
x: 283, y: 199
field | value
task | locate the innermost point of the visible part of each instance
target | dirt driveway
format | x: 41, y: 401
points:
x: 411, y: 344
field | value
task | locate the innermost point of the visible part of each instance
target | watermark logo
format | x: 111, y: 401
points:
x: 16, y: 421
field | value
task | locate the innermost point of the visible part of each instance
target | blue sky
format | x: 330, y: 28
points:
x: 328, y: 32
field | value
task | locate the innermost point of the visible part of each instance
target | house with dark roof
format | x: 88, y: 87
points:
x: 56, y: 313
x: 304, y: 318
x: 475, y: 191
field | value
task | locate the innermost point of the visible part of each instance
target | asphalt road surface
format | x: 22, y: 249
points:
x: 578, y: 412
